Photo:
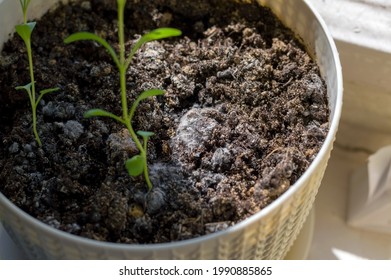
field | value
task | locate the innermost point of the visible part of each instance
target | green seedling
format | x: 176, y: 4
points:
x: 136, y: 165
x: 24, y: 31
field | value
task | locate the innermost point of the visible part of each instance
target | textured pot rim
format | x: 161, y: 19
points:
x: 237, y: 227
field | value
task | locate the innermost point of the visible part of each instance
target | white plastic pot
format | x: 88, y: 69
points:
x: 266, y: 235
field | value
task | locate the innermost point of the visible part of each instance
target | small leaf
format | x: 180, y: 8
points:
x: 49, y: 90
x: 156, y: 34
x: 142, y: 96
x: 43, y: 92
x: 24, y: 30
x: 135, y: 165
x: 101, y: 113
x: 161, y: 33
x: 81, y: 36
x: 145, y: 134
x: 149, y: 93
x: 25, y: 87
x: 24, y: 4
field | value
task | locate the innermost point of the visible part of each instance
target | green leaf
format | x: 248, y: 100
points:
x: 101, y: 113
x: 135, y: 165
x: 149, y: 93
x: 24, y: 4
x: 160, y: 33
x: 45, y: 91
x: 142, y: 96
x: 24, y: 30
x: 26, y: 87
x: 81, y: 36
x: 145, y: 134
x: 49, y: 90
x: 156, y: 34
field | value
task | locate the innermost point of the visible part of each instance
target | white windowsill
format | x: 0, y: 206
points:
x: 364, y: 23
x: 362, y: 30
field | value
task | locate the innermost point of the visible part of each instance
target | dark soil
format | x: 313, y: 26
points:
x: 244, y: 114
